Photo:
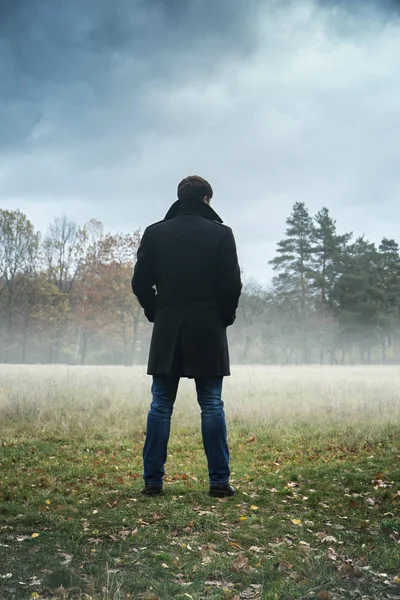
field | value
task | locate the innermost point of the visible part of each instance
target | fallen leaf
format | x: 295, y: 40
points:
x: 254, y: 507
x: 248, y: 594
x: 241, y: 563
x: 331, y: 553
x: 243, y: 519
x: 67, y: 558
x: 235, y: 545
x: 296, y: 521
x: 284, y: 566
x: 35, y: 535
x: 324, y: 538
x: 349, y: 571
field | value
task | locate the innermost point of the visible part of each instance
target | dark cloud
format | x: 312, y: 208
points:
x: 105, y: 106
x: 75, y: 48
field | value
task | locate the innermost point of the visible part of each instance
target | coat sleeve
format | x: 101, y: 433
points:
x: 229, y: 284
x: 143, y: 280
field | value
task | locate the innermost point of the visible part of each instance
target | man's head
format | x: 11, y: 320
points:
x: 195, y: 188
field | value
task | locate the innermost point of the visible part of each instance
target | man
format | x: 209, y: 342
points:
x: 187, y: 279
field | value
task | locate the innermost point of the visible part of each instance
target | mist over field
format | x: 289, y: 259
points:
x: 114, y: 400
x: 291, y: 110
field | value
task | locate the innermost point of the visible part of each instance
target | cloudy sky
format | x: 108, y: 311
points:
x: 105, y: 106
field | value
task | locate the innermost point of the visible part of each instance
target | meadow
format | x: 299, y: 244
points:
x: 314, y: 457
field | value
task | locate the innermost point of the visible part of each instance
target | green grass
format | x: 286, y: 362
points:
x: 99, y: 537
x: 315, y: 514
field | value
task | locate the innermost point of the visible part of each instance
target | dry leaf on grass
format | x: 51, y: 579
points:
x: 251, y: 593
x: 284, y: 566
x: 324, y: 538
x: 331, y: 553
x: 256, y: 549
x: 349, y: 571
x: 235, y: 545
x: 241, y: 563
x: 67, y: 558
x: 219, y: 584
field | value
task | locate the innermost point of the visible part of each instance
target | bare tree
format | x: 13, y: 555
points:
x: 19, y: 246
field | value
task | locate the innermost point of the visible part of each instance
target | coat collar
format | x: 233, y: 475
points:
x: 192, y: 207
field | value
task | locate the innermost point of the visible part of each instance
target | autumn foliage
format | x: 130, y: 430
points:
x: 66, y: 296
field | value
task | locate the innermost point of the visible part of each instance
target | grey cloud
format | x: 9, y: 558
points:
x: 108, y: 105
x: 71, y: 54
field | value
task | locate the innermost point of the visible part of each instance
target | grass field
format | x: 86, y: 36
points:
x: 315, y: 460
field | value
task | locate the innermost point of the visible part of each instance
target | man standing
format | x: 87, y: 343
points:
x: 187, y: 279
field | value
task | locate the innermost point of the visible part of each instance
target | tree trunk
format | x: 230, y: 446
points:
x: 84, y: 348
x: 383, y: 345
x: 24, y: 344
x: 369, y: 353
x: 343, y: 356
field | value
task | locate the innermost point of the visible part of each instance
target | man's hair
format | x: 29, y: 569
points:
x: 194, y: 188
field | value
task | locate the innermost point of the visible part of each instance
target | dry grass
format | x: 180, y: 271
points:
x: 64, y: 399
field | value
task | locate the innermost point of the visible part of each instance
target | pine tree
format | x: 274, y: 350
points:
x: 292, y: 285
x: 294, y: 255
x: 389, y: 281
x: 327, y: 255
x: 358, y: 296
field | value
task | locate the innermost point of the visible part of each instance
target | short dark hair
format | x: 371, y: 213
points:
x: 194, y: 187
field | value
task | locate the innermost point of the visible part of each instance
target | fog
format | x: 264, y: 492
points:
x: 105, y: 108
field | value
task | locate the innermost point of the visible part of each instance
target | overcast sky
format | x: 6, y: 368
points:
x: 105, y: 106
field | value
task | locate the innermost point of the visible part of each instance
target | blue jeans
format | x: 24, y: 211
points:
x: 213, y: 427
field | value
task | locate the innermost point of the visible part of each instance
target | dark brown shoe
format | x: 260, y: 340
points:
x: 224, y: 490
x: 152, y: 490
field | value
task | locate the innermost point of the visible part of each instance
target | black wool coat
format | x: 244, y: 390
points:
x: 187, y: 279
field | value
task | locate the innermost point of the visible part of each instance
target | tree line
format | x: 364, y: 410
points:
x: 334, y: 299
x: 65, y: 297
